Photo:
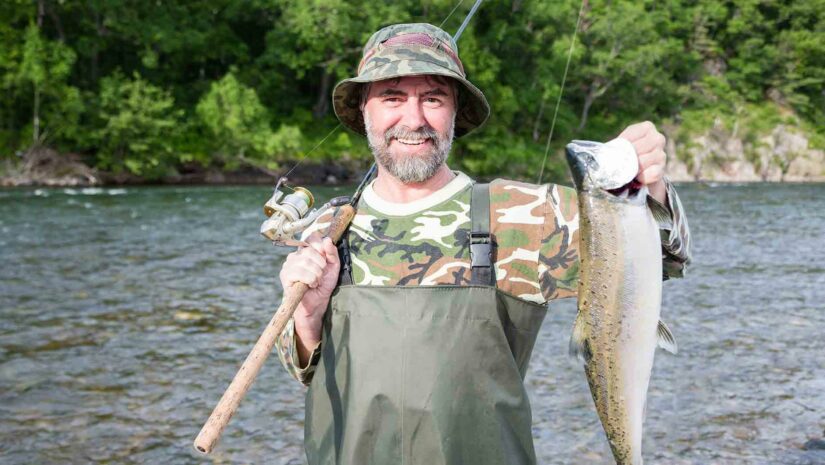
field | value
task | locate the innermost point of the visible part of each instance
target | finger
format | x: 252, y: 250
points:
x: 652, y: 159
x: 318, y: 245
x: 302, y: 256
x: 637, y: 131
x: 312, y: 255
x: 314, y: 239
x: 309, y: 275
x: 651, y: 175
x: 649, y: 143
x: 316, y: 236
x: 330, y: 251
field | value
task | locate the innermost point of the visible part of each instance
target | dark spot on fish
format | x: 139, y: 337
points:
x: 588, y: 353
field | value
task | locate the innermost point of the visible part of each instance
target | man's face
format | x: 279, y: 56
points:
x: 410, y: 123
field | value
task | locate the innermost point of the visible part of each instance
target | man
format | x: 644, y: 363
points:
x: 421, y: 358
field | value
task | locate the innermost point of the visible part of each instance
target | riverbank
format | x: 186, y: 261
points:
x: 46, y: 167
x: 699, y: 161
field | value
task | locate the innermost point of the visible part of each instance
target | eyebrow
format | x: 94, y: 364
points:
x: 435, y: 91
x: 387, y: 92
x: 431, y: 92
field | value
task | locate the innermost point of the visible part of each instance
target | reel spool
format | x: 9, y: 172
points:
x: 290, y: 214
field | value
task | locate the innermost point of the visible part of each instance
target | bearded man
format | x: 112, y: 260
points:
x: 415, y: 335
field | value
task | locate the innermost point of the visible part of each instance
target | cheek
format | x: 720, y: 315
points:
x: 441, y: 119
x: 380, y: 120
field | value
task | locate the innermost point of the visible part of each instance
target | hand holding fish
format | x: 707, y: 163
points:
x: 649, y: 144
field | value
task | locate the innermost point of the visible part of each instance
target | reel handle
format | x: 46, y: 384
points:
x: 214, y: 426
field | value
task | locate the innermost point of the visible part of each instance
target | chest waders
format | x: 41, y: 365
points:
x: 425, y: 374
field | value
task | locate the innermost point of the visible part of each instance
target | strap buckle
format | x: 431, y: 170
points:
x: 480, y: 250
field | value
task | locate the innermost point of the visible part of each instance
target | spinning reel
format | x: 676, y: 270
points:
x: 289, y: 214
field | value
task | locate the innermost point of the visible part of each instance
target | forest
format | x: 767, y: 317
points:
x: 147, y: 90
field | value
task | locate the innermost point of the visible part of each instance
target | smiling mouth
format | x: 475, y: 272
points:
x: 412, y: 141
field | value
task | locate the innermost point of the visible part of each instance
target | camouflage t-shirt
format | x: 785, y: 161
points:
x: 535, y: 229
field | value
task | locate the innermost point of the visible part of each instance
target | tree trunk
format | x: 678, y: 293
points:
x: 95, y: 56
x: 41, y: 11
x: 58, y: 25
x: 588, y: 102
x: 36, y: 116
x: 596, y: 90
x: 322, y: 104
x: 536, y: 126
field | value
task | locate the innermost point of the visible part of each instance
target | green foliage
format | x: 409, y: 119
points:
x: 224, y: 83
x: 43, y: 71
x: 239, y: 129
x: 139, y: 122
x: 236, y: 119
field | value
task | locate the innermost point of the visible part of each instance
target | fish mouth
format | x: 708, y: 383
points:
x: 629, y: 190
x: 610, y: 167
x: 581, y: 161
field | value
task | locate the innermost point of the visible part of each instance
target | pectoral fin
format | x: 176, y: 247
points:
x: 666, y: 340
x: 578, y: 348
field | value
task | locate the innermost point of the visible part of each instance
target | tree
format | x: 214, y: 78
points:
x: 238, y: 125
x: 138, y: 126
x: 45, y: 67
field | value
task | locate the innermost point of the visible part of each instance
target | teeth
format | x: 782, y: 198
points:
x: 411, y: 141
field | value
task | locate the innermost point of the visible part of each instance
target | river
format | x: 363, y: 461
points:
x: 125, y: 312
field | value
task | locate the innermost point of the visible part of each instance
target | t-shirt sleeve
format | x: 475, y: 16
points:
x: 558, y: 266
x: 287, y: 347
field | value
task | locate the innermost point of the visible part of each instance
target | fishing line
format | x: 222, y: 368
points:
x: 561, y: 91
x: 311, y: 150
x: 451, y: 13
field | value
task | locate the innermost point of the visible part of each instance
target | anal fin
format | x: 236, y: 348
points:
x: 578, y: 348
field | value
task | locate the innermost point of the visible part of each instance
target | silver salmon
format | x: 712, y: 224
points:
x: 617, y: 327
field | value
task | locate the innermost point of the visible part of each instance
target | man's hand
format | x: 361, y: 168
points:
x: 650, y: 148
x: 315, y: 265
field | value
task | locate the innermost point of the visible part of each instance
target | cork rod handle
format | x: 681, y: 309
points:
x: 214, y: 426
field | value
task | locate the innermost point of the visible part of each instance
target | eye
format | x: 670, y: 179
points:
x: 432, y: 101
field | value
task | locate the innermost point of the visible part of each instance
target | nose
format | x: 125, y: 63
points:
x: 413, y: 116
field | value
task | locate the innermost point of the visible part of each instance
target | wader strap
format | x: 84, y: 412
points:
x: 481, y: 244
x: 345, y: 274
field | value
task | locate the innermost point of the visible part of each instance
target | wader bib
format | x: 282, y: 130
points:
x: 425, y: 374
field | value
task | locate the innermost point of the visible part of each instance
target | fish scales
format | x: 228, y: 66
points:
x: 619, y: 303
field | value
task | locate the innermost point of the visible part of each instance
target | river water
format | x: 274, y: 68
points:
x: 124, y: 313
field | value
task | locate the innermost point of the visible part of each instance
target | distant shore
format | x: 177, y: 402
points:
x: 50, y: 169
x: 47, y: 168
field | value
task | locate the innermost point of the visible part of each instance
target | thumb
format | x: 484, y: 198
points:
x: 330, y: 251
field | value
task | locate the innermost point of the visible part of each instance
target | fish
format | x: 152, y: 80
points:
x: 617, y: 327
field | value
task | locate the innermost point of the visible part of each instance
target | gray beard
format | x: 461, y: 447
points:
x: 410, y: 169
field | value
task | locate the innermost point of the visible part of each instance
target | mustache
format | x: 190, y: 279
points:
x: 405, y: 132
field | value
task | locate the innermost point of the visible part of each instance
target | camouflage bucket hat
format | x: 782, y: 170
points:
x: 409, y: 50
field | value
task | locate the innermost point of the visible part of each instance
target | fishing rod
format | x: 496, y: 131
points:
x: 288, y: 215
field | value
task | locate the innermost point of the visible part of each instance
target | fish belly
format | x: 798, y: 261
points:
x: 619, y: 303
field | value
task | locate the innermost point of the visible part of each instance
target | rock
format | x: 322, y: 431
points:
x: 721, y: 154
x: 44, y: 166
x: 814, y: 444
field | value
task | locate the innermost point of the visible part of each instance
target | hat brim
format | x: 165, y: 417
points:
x: 472, y: 112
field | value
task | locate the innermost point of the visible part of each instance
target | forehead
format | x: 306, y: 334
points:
x: 420, y: 83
